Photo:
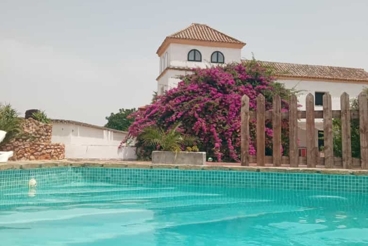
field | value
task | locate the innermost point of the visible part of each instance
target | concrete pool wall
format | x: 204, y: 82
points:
x: 15, y: 175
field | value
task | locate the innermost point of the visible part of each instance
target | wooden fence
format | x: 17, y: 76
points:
x: 292, y: 116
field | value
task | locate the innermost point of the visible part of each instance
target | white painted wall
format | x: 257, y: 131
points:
x: 164, y: 61
x: 176, y: 55
x: 90, y: 143
x: 169, y: 80
x: 334, y: 88
x: 302, y: 135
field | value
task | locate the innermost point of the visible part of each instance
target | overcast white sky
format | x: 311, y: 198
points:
x: 81, y: 60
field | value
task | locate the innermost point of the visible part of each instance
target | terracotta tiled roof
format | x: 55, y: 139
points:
x: 202, y: 32
x: 142, y: 108
x: 292, y: 70
x: 317, y: 71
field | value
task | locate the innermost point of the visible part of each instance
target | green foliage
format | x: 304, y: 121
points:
x: 170, y: 140
x: 120, y: 121
x: 354, y: 129
x: 41, y: 116
x: 337, y: 142
x: 9, y: 122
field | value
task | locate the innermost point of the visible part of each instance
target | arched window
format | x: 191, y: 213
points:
x: 217, y: 57
x: 194, y: 55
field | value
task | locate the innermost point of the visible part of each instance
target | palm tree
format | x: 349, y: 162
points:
x: 170, y: 140
x: 154, y: 97
x: 9, y: 122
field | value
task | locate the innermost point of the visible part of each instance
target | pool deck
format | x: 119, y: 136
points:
x: 148, y: 165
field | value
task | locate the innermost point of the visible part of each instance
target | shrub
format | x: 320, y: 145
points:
x: 41, y: 116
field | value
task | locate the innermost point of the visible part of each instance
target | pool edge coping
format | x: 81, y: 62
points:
x: 149, y: 165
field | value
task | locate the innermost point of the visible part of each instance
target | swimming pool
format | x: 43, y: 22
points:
x: 127, y: 206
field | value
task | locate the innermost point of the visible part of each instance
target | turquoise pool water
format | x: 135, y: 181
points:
x: 76, y: 207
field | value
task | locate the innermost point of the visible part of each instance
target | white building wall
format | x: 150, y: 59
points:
x: 176, y: 55
x: 84, y: 142
x: 169, y: 80
x: 334, y: 88
x: 164, y: 60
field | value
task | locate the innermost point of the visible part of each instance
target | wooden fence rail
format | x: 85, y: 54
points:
x: 260, y: 117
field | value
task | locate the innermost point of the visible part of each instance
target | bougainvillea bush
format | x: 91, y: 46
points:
x: 208, y: 103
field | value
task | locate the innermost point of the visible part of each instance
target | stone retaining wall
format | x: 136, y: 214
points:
x: 35, y: 143
x: 36, y: 131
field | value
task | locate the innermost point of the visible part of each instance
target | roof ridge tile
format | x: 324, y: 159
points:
x: 203, y: 32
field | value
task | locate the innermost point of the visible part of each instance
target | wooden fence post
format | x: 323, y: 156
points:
x: 311, y: 132
x: 245, y: 131
x: 345, y: 131
x: 327, y: 131
x: 276, y: 127
x: 293, y: 132
x: 363, y: 129
x: 261, y: 145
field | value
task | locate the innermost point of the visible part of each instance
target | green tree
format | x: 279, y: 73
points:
x: 121, y: 120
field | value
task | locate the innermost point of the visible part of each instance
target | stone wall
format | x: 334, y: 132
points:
x: 35, y: 143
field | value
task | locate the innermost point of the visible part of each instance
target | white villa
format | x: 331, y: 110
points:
x: 200, y: 46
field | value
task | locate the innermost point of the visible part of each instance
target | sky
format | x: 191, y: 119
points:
x: 83, y: 59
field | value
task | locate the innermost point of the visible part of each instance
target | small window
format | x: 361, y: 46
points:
x: 217, y: 57
x: 194, y: 55
x: 321, y: 141
x: 318, y: 98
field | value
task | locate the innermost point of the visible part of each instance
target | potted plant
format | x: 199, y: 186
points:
x: 172, y: 146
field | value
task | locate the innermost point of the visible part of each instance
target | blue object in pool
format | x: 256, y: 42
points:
x: 106, y: 207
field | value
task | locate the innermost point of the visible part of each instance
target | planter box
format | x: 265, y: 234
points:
x: 168, y: 157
